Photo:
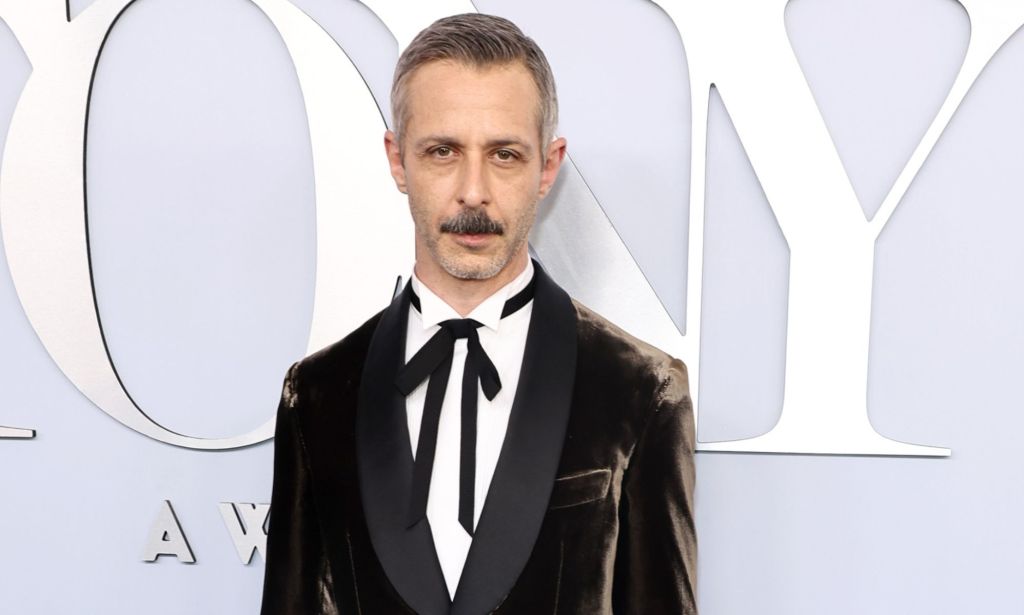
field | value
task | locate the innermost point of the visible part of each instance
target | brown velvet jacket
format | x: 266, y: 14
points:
x: 590, y: 509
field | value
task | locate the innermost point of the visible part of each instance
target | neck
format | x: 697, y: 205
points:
x: 464, y: 295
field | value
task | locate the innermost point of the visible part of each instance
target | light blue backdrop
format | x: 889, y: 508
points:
x: 201, y: 226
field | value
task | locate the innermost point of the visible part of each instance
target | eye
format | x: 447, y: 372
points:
x: 442, y: 151
x: 505, y: 155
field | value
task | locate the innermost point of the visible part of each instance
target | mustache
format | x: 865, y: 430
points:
x: 472, y: 222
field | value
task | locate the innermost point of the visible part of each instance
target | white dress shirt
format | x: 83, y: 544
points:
x: 504, y: 341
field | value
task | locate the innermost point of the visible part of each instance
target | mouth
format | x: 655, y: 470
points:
x: 472, y: 240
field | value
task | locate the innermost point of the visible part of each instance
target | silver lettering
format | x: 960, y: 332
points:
x: 167, y: 538
x: 247, y: 525
x: 17, y: 433
x: 340, y: 109
x: 44, y: 230
x: 831, y: 248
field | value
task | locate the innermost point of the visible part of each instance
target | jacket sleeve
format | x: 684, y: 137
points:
x: 656, y: 556
x: 297, y: 577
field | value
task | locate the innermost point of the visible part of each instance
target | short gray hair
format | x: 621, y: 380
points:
x: 480, y: 41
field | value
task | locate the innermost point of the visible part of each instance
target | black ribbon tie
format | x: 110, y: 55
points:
x: 434, y: 361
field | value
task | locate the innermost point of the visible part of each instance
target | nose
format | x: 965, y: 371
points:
x: 474, y: 185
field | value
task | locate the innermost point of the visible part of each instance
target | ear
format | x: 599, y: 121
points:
x: 553, y: 162
x: 394, y: 153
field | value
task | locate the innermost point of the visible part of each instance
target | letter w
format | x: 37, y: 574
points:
x: 247, y: 525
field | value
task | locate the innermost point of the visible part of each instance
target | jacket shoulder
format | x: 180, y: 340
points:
x: 640, y: 363
x: 338, y: 365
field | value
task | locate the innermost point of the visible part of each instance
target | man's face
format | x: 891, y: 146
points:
x: 472, y: 163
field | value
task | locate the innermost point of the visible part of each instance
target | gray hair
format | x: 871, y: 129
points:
x: 480, y: 41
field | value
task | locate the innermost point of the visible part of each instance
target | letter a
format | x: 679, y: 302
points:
x: 167, y: 538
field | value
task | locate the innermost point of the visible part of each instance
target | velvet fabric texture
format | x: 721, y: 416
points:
x: 590, y: 510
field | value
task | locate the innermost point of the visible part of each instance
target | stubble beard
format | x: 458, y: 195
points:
x: 460, y: 262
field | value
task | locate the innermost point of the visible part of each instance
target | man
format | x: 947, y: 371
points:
x: 485, y: 444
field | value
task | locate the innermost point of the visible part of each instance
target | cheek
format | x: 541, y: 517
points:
x: 427, y: 208
x: 429, y: 190
x: 522, y: 194
x: 423, y: 215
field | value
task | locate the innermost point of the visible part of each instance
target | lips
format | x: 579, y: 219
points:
x: 472, y: 240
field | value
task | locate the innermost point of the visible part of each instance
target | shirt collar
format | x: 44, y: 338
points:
x: 435, y: 310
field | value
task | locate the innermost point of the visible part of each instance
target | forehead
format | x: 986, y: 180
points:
x: 446, y: 95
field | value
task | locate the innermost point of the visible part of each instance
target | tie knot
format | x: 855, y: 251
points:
x: 461, y: 327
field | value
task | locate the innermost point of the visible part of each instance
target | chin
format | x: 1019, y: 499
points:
x: 467, y: 267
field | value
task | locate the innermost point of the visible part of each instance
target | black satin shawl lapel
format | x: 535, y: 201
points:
x: 385, y: 462
x: 517, y: 499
